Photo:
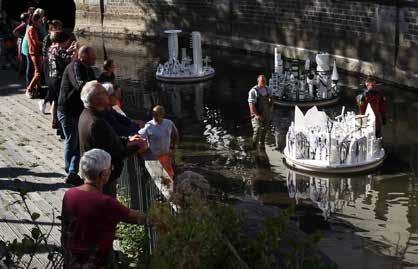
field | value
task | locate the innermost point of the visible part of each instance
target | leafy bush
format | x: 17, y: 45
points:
x: 205, y: 235
x: 133, y: 238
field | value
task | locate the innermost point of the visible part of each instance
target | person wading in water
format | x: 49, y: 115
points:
x: 374, y: 96
x: 260, y: 101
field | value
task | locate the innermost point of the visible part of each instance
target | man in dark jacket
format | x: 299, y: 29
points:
x: 95, y: 132
x: 70, y: 106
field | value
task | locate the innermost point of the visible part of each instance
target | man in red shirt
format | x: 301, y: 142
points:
x: 89, y: 217
x: 373, y: 96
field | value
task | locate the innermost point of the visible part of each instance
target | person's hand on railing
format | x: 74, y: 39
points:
x: 139, y: 142
x: 135, y: 137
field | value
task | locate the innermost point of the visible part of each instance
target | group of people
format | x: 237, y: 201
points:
x: 98, y: 135
x: 261, y: 104
x: 87, y: 115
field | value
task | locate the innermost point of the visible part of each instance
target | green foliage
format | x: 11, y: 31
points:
x: 132, y: 238
x: 205, y: 235
x: 20, y: 253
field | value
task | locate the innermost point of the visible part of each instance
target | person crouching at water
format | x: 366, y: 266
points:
x: 89, y: 217
x: 108, y: 74
x: 260, y: 101
x: 162, y: 137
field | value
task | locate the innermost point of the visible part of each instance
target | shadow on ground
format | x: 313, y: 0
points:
x: 8, y: 181
x: 8, y: 172
x: 31, y: 186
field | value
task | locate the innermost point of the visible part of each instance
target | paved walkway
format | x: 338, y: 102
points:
x: 31, y: 152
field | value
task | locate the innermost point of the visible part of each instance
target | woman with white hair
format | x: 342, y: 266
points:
x: 89, y: 217
x: 121, y: 124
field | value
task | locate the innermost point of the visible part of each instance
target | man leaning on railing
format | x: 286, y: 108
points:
x: 89, y: 217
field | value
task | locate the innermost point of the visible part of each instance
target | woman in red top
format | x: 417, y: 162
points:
x: 35, y: 52
x: 89, y: 217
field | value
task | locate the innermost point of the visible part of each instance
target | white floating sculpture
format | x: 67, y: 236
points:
x: 346, y: 144
x: 291, y: 86
x: 184, y: 71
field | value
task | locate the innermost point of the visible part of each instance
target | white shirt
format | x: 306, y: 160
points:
x: 253, y: 95
x: 158, y: 135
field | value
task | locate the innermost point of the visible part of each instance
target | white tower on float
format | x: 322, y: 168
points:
x: 185, y: 69
x: 278, y: 62
x: 173, y: 44
x: 197, y: 52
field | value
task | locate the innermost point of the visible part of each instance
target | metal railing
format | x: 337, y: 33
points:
x: 141, y: 185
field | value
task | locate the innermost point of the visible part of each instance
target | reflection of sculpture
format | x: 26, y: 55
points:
x: 290, y: 85
x: 328, y: 194
x: 180, y: 95
x: 317, y: 142
x: 184, y: 71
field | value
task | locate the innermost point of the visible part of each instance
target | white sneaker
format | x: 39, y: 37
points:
x: 28, y: 95
x: 41, y: 106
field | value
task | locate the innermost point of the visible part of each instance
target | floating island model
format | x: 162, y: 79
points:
x: 186, y: 70
x: 292, y: 87
x: 348, y: 144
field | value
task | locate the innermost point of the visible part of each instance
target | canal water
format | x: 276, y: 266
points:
x: 377, y: 212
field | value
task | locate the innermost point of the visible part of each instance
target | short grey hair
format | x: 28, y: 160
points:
x: 87, y: 93
x: 109, y: 88
x: 93, y: 162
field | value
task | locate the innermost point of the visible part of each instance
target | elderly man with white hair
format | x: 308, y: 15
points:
x: 70, y: 106
x: 95, y: 132
x: 89, y: 217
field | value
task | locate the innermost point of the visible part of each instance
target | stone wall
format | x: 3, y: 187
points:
x: 369, y: 36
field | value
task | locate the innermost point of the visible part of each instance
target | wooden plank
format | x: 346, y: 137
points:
x: 19, y: 119
x: 37, y: 204
x: 157, y: 172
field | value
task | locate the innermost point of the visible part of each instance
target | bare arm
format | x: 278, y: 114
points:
x: 136, y: 217
x: 253, y: 110
x: 175, y: 136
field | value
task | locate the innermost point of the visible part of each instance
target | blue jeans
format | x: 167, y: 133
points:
x: 69, y: 126
x: 28, y: 73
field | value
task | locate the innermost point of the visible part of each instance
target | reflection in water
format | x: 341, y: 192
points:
x: 328, y: 194
x: 214, y: 122
x: 374, y: 206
